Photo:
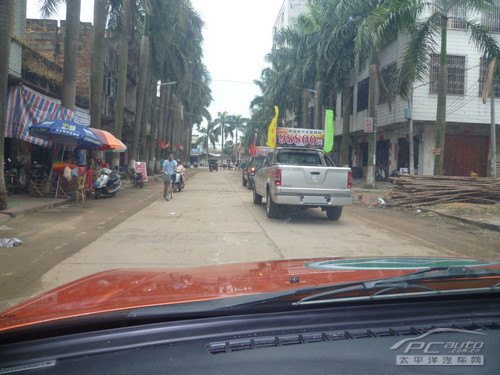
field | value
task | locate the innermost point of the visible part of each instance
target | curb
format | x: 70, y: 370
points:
x: 22, y: 210
x: 480, y: 224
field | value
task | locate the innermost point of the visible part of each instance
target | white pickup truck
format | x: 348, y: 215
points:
x: 294, y: 176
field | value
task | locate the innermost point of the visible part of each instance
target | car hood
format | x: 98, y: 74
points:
x: 123, y: 289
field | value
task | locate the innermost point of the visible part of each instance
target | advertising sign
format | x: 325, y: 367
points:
x: 195, y: 151
x: 368, y: 125
x: 292, y: 137
x: 140, y: 167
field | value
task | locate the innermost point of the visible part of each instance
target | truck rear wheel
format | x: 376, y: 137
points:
x: 333, y: 213
x: 271, y: 207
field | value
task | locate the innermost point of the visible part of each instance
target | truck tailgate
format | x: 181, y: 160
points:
x: 313, y: 180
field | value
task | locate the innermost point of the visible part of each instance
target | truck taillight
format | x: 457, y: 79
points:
x: 349, y: 180
x: 277, y: 176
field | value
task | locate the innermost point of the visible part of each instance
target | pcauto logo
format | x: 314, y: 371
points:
x: 429, y: 351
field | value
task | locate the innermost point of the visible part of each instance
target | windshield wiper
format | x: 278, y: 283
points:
x: 404, y: 282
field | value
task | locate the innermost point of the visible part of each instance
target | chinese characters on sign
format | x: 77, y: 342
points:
x: 369, y: 125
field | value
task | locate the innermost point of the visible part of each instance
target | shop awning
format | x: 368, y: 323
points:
x: 26, y: 107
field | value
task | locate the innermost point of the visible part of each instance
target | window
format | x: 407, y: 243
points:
x: 483, y: 69
x: 299, y: 158
x: 459, y: 12
x: 491, y: 18
x: 363, y: 95
x: 387, y: 75
x: 456, y: 74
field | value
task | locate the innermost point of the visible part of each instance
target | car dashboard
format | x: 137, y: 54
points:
x: 445, y: 335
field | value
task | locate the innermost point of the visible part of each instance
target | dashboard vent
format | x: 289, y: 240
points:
x: 236, y: 345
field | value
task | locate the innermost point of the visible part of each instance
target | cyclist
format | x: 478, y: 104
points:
x: 168, y: 170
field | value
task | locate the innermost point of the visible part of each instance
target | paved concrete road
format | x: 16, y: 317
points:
x: 214, y: 221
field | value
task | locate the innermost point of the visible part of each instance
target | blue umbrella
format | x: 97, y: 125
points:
x: 66, y: 132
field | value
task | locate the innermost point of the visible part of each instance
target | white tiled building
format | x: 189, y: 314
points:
x: 468, y: 119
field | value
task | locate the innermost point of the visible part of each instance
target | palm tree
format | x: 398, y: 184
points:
x: 6, y: 18
x: 223, y: 128
x: 207, y: 136
x: 96, y: 62
x: 124, y: 15
x: 424, y: 34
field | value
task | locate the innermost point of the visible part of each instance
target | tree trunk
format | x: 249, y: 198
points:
x: 122, y: 76
x: 305, y: 110
x: 346, y: 109
x: 71, y: 45
x: 97, y: 62
x: 146, y: 112
x: 143, y: 60
x: 161, y: 128
x: 153, y: 141
x: 441, y: 101
x: 318, y: 106
x: 6, y: 18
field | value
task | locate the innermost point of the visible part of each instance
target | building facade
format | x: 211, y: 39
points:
x: 467, y: 140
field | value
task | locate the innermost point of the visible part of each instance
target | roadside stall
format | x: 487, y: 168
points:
x: 63, y: 177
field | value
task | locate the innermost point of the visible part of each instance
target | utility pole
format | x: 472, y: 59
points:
x: 488, y: 89
x: 410, y: 131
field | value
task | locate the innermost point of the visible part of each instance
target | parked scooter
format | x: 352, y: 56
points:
x: 107, y: 184
x: 15, y: 176
x: 137, y: 179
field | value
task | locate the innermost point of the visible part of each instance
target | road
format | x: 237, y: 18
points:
x: 212, y: 221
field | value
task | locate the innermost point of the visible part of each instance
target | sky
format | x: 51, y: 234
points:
x: 237, y: 36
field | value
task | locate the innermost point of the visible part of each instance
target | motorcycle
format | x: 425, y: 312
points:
x: 15, y: 176
x: 137, y: 179
x: 179, y: 181
x: 107, y: 184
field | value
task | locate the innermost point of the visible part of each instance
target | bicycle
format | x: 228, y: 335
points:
x: 168, y: 189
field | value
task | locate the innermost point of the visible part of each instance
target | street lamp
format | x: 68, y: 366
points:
x: 167, y: 83
x: 163, y: 84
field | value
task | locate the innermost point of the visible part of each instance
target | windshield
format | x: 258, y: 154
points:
x: 369, y: 162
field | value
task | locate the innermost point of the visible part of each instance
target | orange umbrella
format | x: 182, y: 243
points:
x: 109, y: 141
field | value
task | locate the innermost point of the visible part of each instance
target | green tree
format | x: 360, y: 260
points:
x: 223, y: 128
x: 207, y: 136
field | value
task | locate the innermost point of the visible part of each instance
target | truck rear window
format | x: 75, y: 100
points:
x: 299, y: 158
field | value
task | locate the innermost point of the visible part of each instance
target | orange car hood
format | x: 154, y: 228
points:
x: 123, y: 289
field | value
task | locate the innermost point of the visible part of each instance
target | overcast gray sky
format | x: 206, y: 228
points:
x: 238, y: 34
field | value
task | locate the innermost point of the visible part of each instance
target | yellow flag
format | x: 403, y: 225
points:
x: 271, y: 132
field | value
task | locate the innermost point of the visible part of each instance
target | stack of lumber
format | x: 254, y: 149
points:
x: 409, y: 191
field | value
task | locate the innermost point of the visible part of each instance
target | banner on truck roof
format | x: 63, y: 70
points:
x: 296, y: 137
x: 262, y: 150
